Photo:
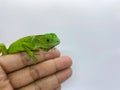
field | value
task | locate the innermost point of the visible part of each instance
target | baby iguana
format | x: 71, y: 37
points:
x: 29, y: 44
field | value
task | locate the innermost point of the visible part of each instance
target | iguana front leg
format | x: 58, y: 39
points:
x: 29, y: 51
x: 3, y: 49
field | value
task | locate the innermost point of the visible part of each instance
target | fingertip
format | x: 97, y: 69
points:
x: 64, y: 75
x: 53, y: 52
x: 63, y: 62
x: 67, y: 59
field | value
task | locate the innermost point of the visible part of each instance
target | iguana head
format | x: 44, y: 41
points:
x: 48, y: 41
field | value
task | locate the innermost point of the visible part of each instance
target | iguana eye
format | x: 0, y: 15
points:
x: 47, y: 40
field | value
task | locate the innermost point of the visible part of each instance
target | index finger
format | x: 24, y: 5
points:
x: 17, y: 61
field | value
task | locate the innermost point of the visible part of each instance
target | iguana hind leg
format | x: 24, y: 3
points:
x: 3, y: 49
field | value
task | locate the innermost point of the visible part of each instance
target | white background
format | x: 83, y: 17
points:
x: 89, y: 31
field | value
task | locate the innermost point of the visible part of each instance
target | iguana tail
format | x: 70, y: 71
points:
x: 3, y: 49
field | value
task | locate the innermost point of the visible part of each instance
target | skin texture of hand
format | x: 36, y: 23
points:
x: 18, y: 72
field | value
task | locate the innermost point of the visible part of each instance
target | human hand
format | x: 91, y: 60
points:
x: 17, y: 72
